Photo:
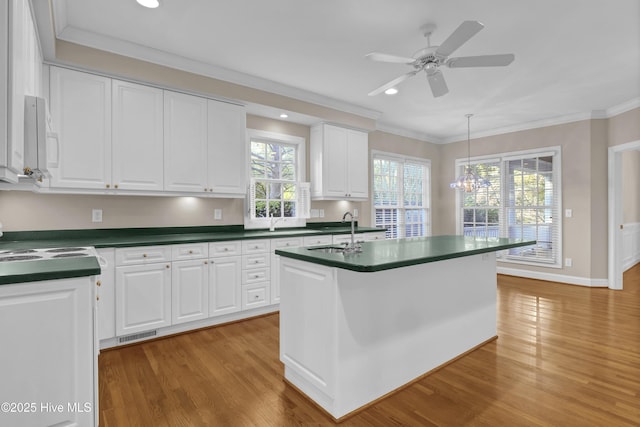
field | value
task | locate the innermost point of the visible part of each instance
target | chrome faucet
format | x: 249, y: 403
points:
x: 352, y: 247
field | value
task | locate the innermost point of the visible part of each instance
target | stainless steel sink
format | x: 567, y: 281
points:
x: 328, y: 249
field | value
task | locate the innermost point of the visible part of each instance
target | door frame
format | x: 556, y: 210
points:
x: 616, y: 212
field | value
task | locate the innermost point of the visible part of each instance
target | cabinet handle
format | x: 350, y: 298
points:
x: 205, y: 263
x: 98, y: 283
x: 211, y: 190
x: 257, y: 261
x: 226, y: 249
x: 108, y: 186
x: 256, y: 276
x: 97, y: 298
x: 287, y: 244
x: 256, y: 297
x: 206, y: 189
x: 256, y: 247
x: 115, y: 186
x: 167, y: 266
x: 190, y: 252
x: 144, y: 255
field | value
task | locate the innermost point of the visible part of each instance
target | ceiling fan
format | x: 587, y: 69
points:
x: 431, y: 58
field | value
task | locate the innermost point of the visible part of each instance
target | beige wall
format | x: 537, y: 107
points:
x: 631, y: 186
x: 584, y: 154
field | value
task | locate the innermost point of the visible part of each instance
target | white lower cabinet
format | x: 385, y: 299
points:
x: 224, y: 285
x: 275, y: 263
x: 106, y: 294
x: 143, y: 297
x: 49, y: 353
x: 190, y: 290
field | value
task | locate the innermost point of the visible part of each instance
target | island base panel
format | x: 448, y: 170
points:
x: 349, y: 338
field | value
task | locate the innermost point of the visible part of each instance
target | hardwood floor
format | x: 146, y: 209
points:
x: 566, y: 356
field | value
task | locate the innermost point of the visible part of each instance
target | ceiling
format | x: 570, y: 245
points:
x: 575, y: 59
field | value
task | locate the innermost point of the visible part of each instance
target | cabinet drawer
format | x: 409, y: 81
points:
x: 189, y: 251
x: 317, y: 240
x: 255, y: 261
x: 229, y: 248
x: 369, y: 237
x: 255, y: 295
x: 142, y: 255
x: 255, y: 246
x: 293, y: 242
x: 255, y: 275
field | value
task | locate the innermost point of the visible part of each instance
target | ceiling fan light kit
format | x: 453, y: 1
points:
x: 430, y: 58
x: 469, y: 181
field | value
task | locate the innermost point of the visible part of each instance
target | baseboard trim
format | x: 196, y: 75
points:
x: 552, y: 277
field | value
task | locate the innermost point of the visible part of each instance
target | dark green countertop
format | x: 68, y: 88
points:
x: 387, y: 254
x: 47, y: 269
x: 128, y: 237
x: 37, y: 270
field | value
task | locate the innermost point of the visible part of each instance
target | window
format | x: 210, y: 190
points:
x: 521, y: 203
x: 276, y: 193
x: 401, y: 195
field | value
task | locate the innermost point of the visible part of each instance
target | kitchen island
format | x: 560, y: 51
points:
x: 354, y: 327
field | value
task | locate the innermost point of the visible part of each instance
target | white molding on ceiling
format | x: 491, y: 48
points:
x: 551, y: 121
x: 407, y: 133
x: 133, y: 50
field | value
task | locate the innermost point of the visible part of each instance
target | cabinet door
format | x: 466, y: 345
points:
x: 143, y: 297
x: 190, y: 291
x: 81, y: 115
x: 185, y: 142
x: 224, y: 285
x: 358, y: 164
x: 137, y: 137
x: 18, y: 80
x: 48, y: 352
x: 106, y: 283
x: 227, y: 148
x: 335, y: 161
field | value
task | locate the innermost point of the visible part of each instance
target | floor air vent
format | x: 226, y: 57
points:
x: 137, y: 336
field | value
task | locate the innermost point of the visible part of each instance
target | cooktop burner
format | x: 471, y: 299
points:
x: 47, y: 253
x: 19, y: 258
x: 70, y: 255
x: 19, y: 252
x: 63, y: 250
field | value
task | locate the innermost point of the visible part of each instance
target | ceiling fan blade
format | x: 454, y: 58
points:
x: 481, y: 61
x: 384, y: 57
x: 464, y: 32
x: 437, y: 83
x: 392, y: 83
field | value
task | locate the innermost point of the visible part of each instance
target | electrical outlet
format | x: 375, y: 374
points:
x: 355, y: 213
x: 96, y: 215
x: 321, y: 213
x: 568, y: 262
x: 568, y: 213
x: 217, y: 214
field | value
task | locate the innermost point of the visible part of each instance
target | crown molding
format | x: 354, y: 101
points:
x: 407, y: 133
x: 623, y: 108
x: 156, y: 56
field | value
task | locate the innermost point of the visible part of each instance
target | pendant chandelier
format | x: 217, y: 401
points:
x: 469, y: 181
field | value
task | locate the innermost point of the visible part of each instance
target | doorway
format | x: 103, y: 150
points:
x: 616, y: 212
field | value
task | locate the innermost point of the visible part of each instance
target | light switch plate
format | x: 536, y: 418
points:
x: 321, y: 213
x: 217, y: 214
x: 568, y: 213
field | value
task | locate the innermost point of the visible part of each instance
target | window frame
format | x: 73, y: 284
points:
x: 503, y: 158
x: 299, y: 143
x: 426, y: 195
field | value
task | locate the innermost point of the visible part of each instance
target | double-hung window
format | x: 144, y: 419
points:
x: 401, y: 200
x: 522, y: 202
x: 276, y: 169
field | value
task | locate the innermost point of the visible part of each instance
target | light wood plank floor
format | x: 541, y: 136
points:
x: 566, y: 356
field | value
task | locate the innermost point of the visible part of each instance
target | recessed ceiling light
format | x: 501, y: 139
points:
x: 391, y: 91
x: 151, y: 4
x: 284, y: 116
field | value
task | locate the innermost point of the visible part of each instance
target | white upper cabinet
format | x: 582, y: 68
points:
x: 339, y: 163
x: 227, y: 149
x: 81, y: 115
x: 185, y: 142
x: 20, y: 75
x: 137, y: 142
